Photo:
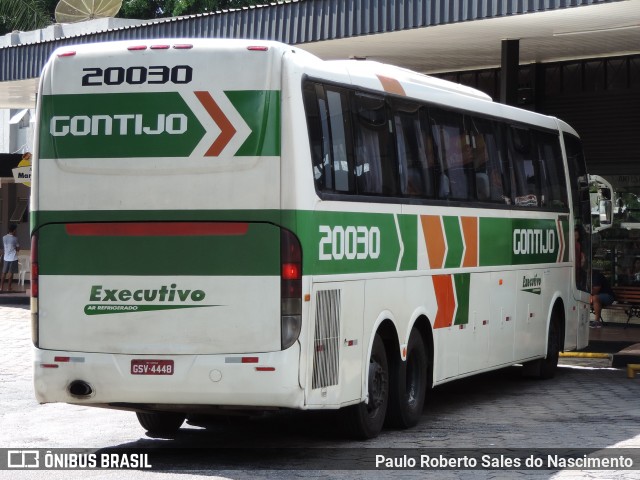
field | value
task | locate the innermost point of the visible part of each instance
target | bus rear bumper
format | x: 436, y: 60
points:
x: 236, y: 380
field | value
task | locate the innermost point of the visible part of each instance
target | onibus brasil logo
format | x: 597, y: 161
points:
x: 114, y: 300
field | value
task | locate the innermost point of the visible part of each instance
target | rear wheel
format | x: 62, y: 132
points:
x: 365, y: 420
x: 161, y: 423
x: 408, y: 385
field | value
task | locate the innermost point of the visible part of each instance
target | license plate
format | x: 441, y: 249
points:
x: 151, y: 367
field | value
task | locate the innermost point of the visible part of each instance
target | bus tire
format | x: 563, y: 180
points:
x: 408, y: 381
x: 161, y: 423
x: 545, y: 368
x: 549, y: 365
x: 365, y: 420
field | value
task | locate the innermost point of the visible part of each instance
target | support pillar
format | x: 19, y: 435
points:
x: 509, y: 71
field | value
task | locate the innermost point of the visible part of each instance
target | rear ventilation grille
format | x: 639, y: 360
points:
x: 326, y: 341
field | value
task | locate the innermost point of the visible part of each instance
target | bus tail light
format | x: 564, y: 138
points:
x: 35, y: 328
x: 34, y: 266
x: 290, y: 288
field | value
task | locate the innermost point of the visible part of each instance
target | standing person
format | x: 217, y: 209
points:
x: 11, y: 249
x: 601, y: 296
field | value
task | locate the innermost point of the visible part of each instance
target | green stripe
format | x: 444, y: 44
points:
x: 462, y: 283
x: 106, y: 309
x: 455, y: 245
x: 333, y: 241
x: 500, y: 243
x: 495, y: 242
x: 409, y: 228
x: 158, y: 124
x: 568, y: 237
x: 43, y: 217
x: 261, y: 110
x: 339, y: 236
x: 106, y: 126
x: 256, y: 253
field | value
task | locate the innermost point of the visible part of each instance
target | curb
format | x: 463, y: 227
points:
x: 585, y: 355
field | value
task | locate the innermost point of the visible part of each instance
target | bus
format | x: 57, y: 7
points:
x: 228, y: 226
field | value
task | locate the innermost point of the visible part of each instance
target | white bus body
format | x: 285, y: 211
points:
x: 237, y: 224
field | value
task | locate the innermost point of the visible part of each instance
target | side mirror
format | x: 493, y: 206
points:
x: 606, y: 212
x: 601, y: 203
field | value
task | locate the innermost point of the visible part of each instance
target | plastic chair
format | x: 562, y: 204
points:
x: 24, y: 267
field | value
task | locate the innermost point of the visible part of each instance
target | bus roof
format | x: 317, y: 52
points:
x: 407, y: 76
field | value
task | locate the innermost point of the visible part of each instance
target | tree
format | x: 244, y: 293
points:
x: 25, y: 15
x: 145, y: 9
x: 28, y: 15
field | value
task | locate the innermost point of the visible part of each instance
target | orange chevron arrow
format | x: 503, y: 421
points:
x: 470, y: 235
x: 227, y: 130
x: 446, y: 298
x: 435, y: 240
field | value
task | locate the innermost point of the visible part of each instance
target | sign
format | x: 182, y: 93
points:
x: 22, y: 174
x: 160, y: 124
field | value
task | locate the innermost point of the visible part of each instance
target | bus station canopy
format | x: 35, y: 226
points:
x: 429, y: 37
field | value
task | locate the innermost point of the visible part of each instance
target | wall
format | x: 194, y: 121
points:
x: 5, y: 115
x: 60, y: 30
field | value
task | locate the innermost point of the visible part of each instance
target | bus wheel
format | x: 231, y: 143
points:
x: 549, y: 365
x: 365, y: 420
x: 546, y: 367
x: 161, y: 423
x: 408, y: 385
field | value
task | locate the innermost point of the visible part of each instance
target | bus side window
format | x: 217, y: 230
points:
x: 524, y: 161
x: 456, y: 163
x: 553, y: 178
x: 376, y: 171
x: 414, y: 152
x: 484, y: 139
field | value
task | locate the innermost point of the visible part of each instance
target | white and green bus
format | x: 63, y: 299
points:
x: 230, y: 225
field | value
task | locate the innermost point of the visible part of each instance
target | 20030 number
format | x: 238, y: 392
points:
x: 351, y: 243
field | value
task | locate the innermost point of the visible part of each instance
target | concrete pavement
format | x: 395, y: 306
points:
x: 587, y: 405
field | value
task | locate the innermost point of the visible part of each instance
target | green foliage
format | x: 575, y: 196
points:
x: 142, y: 9
x: 145, y: 9
x: 25, y: 15
x: 28, y: 15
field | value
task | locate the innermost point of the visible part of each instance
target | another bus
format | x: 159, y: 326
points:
x: 231, y: 225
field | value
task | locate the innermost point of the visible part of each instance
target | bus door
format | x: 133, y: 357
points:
x: 503, y: 306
